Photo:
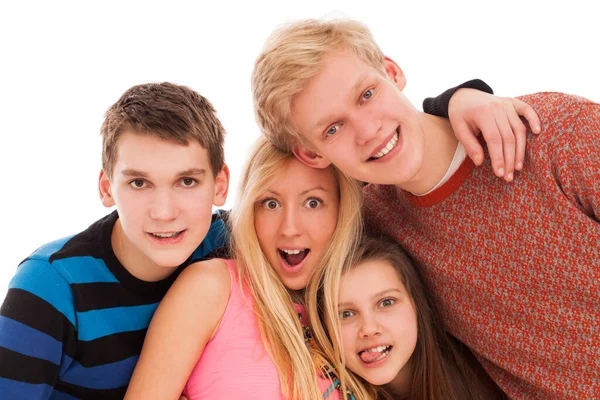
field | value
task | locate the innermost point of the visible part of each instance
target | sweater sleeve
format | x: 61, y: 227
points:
x: 37, y: 331
x: 578, y: 161
x: 439, y: 105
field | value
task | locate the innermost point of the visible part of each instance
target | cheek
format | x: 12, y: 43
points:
x: 265, y: 226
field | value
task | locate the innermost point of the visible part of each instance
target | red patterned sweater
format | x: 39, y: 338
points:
x: 515, y: 268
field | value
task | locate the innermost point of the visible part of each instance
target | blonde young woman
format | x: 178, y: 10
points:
x: 231, y: 329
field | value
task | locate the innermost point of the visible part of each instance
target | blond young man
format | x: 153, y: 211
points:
x: 514, y: 268
x: 77, y: 310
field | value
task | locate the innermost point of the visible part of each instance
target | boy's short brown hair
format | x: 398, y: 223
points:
x: 292, y: 55
x: 168, y: 111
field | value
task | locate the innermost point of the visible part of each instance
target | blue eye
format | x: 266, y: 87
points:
x: 333, y: 130
x: 387, y: 302
x: 368, y: 94
x: 345, y: 314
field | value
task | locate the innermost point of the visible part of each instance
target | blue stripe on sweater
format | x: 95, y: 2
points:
x: 99, y: 323
x: 84, y: 269
x: 47, y: 250
x: 41, y: 279
x: 26, y: 340
x: 15, y: 390
x: 108, y: 376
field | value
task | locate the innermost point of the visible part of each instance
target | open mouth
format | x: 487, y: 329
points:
x: 169, y: 235
x: 388, y: 147
x: 375, y: 354
x: 293, y: 257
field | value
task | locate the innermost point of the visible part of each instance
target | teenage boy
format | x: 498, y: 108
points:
x: 76, y: 312
x: 515, y: 268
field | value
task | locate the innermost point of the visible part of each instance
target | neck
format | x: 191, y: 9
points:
x: 400, y: 386
x: 438, y: 150
x: 297, y: 296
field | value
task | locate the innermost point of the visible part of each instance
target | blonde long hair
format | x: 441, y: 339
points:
x: 278, y: 322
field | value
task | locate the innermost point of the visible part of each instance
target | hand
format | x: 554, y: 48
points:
x: 497, y: 118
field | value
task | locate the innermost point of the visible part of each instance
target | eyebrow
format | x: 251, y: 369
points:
x: 301, y: 193
x: 187, y: 172
x: 359, y: 82
x: 374, y: 296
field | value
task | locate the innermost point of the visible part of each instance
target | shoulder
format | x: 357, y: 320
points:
x: 210, y: 277
x: 559, y: 112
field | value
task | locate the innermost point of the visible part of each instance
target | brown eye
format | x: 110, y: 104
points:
x: 313, y: 203
x: 189, y: 182
x: 137, y: 183
x: 270, y: 204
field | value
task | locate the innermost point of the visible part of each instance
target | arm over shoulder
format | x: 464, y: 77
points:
x: 182, y: 325
x: 39, y: 309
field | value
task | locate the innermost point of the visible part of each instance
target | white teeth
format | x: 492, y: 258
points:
x: 377, y: 349
x: 291, y: 251
x: 388, y: 146
x: 166, y: 235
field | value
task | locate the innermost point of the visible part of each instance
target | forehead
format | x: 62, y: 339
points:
x: 332, y: 90
x: 370, y: 277
x: 153, y: 155
x: 295, y: 177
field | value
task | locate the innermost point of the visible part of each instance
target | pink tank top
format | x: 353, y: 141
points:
x: 235, y: 363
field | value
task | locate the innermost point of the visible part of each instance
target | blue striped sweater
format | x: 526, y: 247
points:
x: 74, y: 320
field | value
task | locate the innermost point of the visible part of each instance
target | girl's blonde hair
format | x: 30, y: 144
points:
x: 292, y: 55
x: 278, y: 322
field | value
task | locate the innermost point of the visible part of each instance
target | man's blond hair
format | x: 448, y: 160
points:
x: 292, y: 55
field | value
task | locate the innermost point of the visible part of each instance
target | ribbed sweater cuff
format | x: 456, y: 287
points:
x: 439, y: 105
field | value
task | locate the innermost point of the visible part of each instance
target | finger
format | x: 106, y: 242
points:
x: 468, y: 137
x: 529, y: 113
x: 493, y: 139
x: 520, y: 132
x: 508, y: 147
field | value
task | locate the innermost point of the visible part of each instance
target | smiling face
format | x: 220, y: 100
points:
x: 164, y: 192
x: 294, y: 220
x: 355, y: 116
x: 378, y: 322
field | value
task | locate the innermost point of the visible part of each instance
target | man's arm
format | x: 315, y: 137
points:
x: 37, y: 331
x: 472, y: 109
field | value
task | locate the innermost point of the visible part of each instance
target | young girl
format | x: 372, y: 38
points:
x: 233, y: 327
x: 390, y: 333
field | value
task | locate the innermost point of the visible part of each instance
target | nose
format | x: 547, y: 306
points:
x: 367, y: 128
x: 369, y: 326
x: 163, y: 205
x: 291, y: 224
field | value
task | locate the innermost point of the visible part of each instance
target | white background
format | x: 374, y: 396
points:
x: 62, y: 64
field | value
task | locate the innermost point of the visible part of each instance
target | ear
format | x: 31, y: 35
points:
x: 309, y: 157
x: 221, y: 186
x: 394, y: 71
x: 104, y: 190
